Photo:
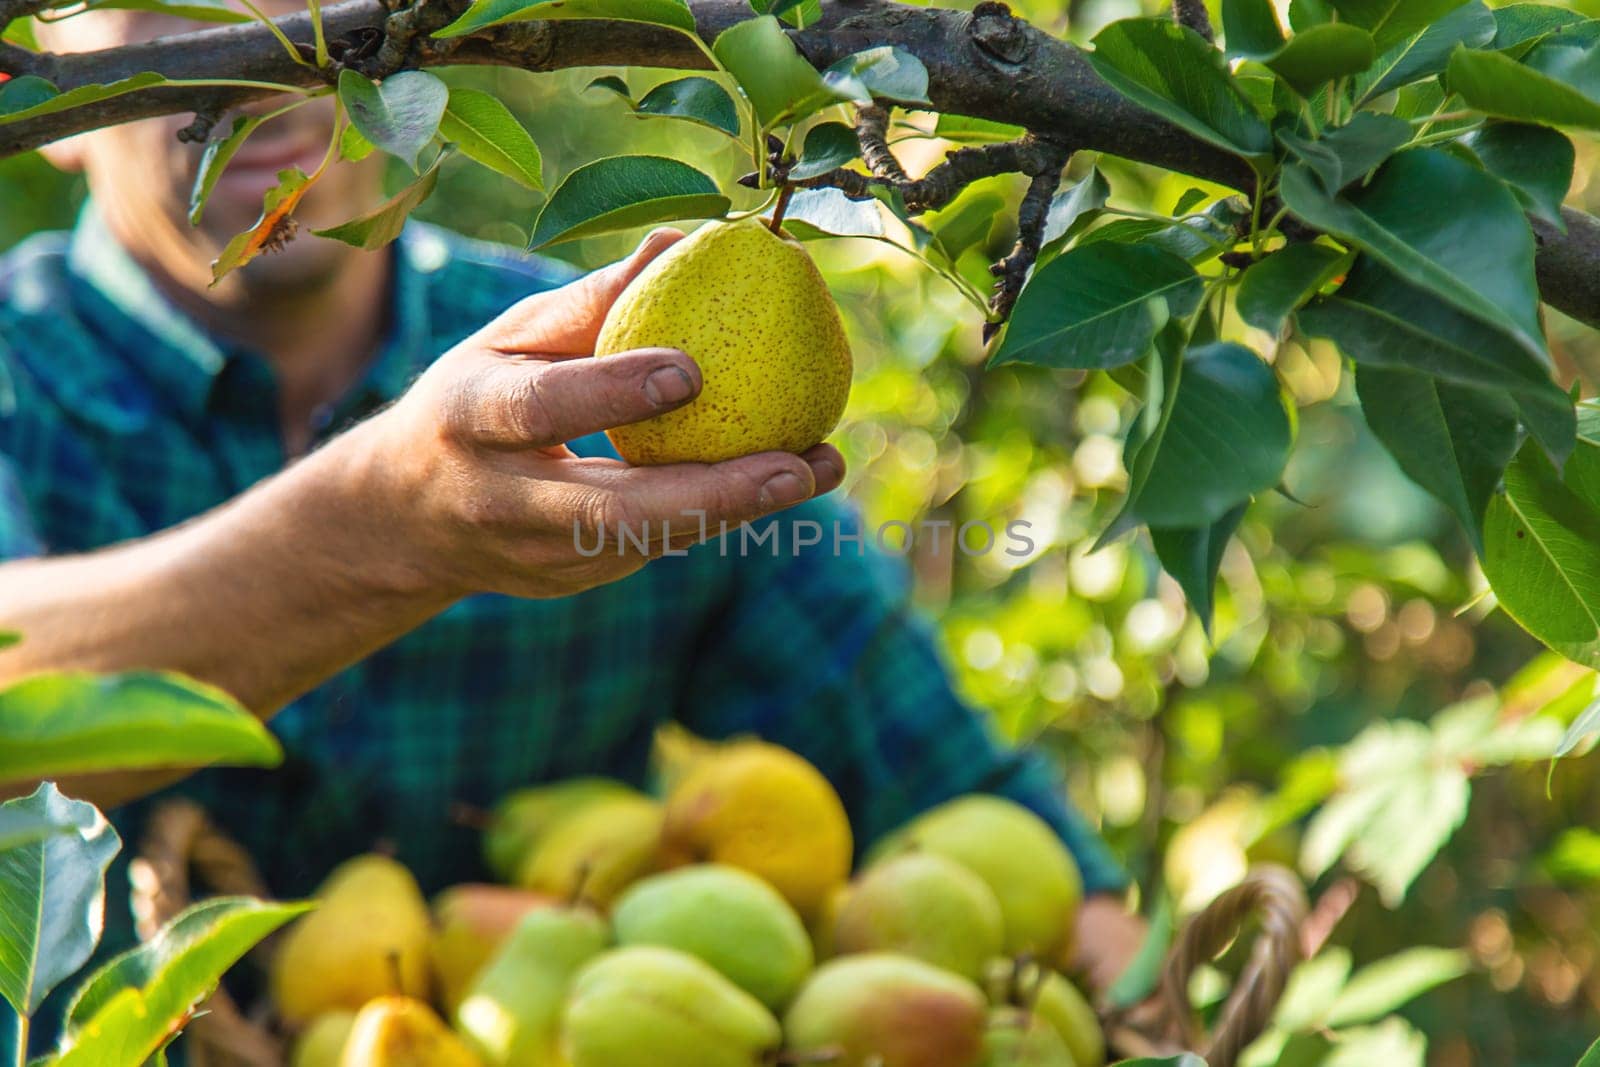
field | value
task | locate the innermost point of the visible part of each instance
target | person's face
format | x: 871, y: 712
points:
x: 142, y: 175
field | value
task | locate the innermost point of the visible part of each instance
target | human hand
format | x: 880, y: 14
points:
x: 473, y: 462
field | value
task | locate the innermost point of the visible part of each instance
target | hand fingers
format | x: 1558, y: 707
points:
x: 566, y: 321
x: 522, y: 404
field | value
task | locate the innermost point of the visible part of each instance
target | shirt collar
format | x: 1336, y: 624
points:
x: 185, y: 362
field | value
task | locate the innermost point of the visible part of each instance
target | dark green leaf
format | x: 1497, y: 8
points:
x: 1452, y: 440
x: 1322, y: 54
x: 781, y: 85
x: 53, y: 725
x: 1591, y: 1058
x: 1496, y: 84
x: 1193, y: 556
x: 9, y: 638
x: 827, y: 212
x: 1442, y: 224
x: 887, y: 72
x: 1304, y: 14
x: 484, y: 13
x: 52, y: 896
x: 377, y: 228
x: 1520, y: 24
x: 1542, y: 550
x: 1098, y: 306
x: 1380, y: 319
x: 1426, y: 54
x: 1273, y: 288
x: 1346, y: 154
x: 484, y: 129
x: 215, y: 160
x: 696, y: 99
x: 1191, y: 199
x: 401, y: 115
x: 621, y: 192
x: 1072, y: 209
x: 84, y: 94
x: 964, y: 129
x: 614, y: 84
x: 28, y: 91
x: 1536, y: 161
x: 1172, y: 71
x: 1250, y: 28
x: 198, y: 11
x: 1392, y: 21
x: 829, y: 145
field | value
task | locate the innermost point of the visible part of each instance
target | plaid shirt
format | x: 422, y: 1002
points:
x: 119, y: 417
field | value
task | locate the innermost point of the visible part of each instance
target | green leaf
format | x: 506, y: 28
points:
x: 1496, y: 84
x: 781, y: 85
x: 1391, y: 21
x: 1445, y: 226
x: 9, y: 638
x: 1348, y: 153
x: 1304, y: 14
x: 827, y: 212
x: 484, y: 129
x: 1380, y: 988
x: 353, y: 147
x: 1378, y: 319
x: 401, y: 115
x: 18, y: 827
x: 965, y: 129
x: 52, y: 896
x: 695, y: 99
x: 1250, y: 29
x: 377, y: 228
x: 197, y: 12
x: 1452, y: 440
x: 828, y: 146
x: 1223, y: 438
x: 215, y: 160
x: 1074, y: 208
x: 1535, y: 161
x: 621, y: 192
x: 1426, y: 54
x: 614, y: 84
x: 965, y: 222
x: 1591, y: 1058
x: 275, y: 224
x: 1172, y: 71
x: 1542, y: 549
x: 84, y: 94
x: 1193, y: 556
x: 1271, y: 289
x: 28, y: 91
x: 1322, y: 54
x: 887, y: 72
x: 1521, y: 24
x: 53, y: 725
x: 1585, y: 724
x: 485, y: 13
x: 1098, y: 306
x: 127, y: 1011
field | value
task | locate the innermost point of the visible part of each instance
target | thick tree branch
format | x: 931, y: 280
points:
x: 983, y: 63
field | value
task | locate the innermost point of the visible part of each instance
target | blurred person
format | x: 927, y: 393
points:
x: 349, y: 488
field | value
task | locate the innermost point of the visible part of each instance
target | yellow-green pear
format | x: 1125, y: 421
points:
x: 398, y: 1031
x: 597, y: 852
x: 523, y: 817
x: 322, y: 1043
x: 1018, y: 1038
x: 750, y: 308
x: 882, y: 1009
x: 368, y: 938
x: 1026, y: 866
x: 725, y: 916
x: 469, y: 922
x: 923, y: 905
x: 511, y: 1015
x: 649, y: 1005
x: 1059, y: 1003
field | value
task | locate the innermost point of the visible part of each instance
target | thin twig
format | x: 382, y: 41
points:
x: 1031, y: 217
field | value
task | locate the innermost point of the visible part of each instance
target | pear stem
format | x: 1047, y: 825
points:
x: 776, y: 225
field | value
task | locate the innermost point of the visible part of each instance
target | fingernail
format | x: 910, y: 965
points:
x: 784, y: 489
x: 668, y: 385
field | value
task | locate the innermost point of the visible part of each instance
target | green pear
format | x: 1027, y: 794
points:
x: 597, y: 852
x: 367, y: 938
x: 511, y: 1014
x: 658, y: 1006
x: 322, y: 1043
x: 470, y: 921
x: 923, y: 905
x: 1018, y: 1038
x: 1059, y: 1003
x: 888, y: 1010
x: 522, y: 818
x: 753, y: 312
x: 1024, y: 863
x: 400, y: 1031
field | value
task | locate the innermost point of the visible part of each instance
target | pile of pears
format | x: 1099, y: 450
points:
x: 719, y: 927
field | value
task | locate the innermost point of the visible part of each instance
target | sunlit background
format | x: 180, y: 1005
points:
x: 1311, y: 728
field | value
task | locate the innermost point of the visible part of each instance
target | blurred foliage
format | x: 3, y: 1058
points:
x: 1360, y: 698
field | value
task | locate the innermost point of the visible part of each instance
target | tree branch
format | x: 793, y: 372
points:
x: 982, y: 63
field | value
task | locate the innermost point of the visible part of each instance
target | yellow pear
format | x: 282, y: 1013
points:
x: 403, y: 1032
x: 596, y: 853
x: 523, y: 818
x: 369, y: 937
x: 469, y: 923
x: 762, y: 808
x: 322, y: 1043
x: 753, y: 312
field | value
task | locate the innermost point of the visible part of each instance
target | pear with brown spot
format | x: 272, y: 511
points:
x: 749, y: 307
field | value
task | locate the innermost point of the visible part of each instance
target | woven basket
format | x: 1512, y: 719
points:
x: 182, y: 848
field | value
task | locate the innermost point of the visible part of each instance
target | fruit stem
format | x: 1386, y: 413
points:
x: 776, y: 225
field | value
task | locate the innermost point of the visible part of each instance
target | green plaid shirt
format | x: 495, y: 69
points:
x: 119, y: 417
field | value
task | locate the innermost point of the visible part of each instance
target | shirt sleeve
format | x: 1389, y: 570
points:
x: 818, y: 650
